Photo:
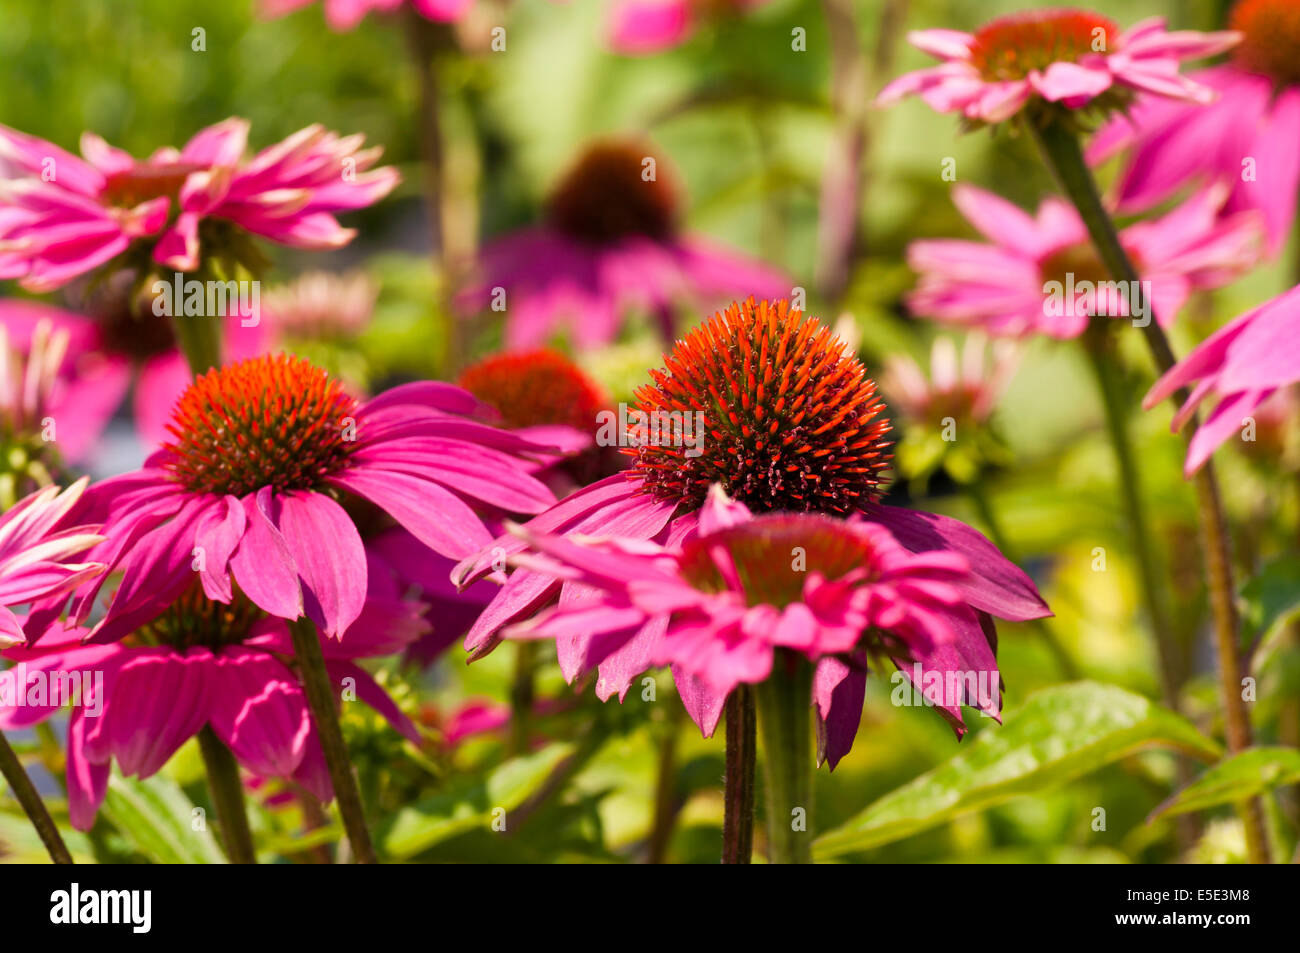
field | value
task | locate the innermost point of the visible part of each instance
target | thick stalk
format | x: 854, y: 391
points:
x: 228, y: 796
x: 199, y: 339
x: 738, y: 778
x: 785, y: 720
x: 25, y: 793
x: 320, y: 699
x: 1115, y: 406
x: 978, y: 496
x: 522, y: 694
x: 1060, y: 149
x: 665, y: 813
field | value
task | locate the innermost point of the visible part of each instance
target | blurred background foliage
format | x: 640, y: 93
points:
x: 748, y: 123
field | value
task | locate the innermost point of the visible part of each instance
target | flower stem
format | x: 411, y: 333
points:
x: 522, y: 692
x: 666, y: 806
x: 980, y: 498
x: 785, y: 719
x: 1060, y: 149
x: 25, y: 793
x: 228, y: 796
x: 738, y: 778
x: 199, y: 339
x: 320, y: 699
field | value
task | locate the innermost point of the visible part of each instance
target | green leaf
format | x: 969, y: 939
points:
x: 1270, y: 599
x: 1060, y: 733
x: 471, y: 803
x: 1237, y: 778
x: 156, y: 818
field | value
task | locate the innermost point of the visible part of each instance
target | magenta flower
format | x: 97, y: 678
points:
x: 612, y: 243
x: 106, y: 357
x: 248, y: 492
x: 651, y: 26
x: 965, y: 387
x: 200, y: 663
x: 1242, y: 364
x: 1020, y: 281
x: 772, y: 407
x: 37, y: 540
x: 718, y: 607
x: 1072, y: 57
x: 61, y: 216
x: 343, y: 15
x: 1244, y: 138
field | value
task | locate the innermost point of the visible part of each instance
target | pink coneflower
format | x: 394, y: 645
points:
x: 1072, y: 57
x: 201, y: 663
x: 612, y: 242
x: 270, y: 468
x: 106, y: 356
x: 720, y: 607
x: 28, y: 372
x: 784, y: 419
x: 61, y: 216
x: 343, y: 15
x: 651, y: 26
x: 37, y: 542
x: 1004, y: 285
x: 321, y: 304
x: 1242, y: 364
x: 1245, y: 138
x: 965, y: 387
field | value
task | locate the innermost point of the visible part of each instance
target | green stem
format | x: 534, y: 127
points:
x: 199, y: 339
x: 522, y: 694
x: 1060, y: 149
x: 228, y: 796
x: 25, y: 793
x: 666, y: 801
x: 980, y: 498
x: 785, y: 719
x: 320, y: 699
x: 738, y: 777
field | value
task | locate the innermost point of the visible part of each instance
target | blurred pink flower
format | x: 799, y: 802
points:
x: 200, y: 663
x: 1242, y: 364
x: 1004, y: 285
x: 37, y: 540
x: 966, y: 388
x: 343, y: 15
x: 612, y: 243
x: 323, y: 304
x: 262, y: 451
x: 1245, y: 138
x: 106, y: 357
x: 61, y: 216
x: 651, y: 26
x: 1072, y: 57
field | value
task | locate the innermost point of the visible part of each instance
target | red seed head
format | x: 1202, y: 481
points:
x: 1010, y: 47
x: 274, y: 420
x: 1271, y: 44
x: 537, y: 387
x: 790, y: 419
x: 617, y: 189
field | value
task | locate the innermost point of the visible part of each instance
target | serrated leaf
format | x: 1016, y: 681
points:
x: 1059, y: 734
x: 471, y: 803
x: 1237, y: 778
x: 155, y: 817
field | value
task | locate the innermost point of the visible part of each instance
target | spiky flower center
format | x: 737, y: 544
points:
x: 537, y: 387
x: 770, y: 405
x: 1010, y: 47
x: 1271, y: 42
x: 274, y: 420
x: 616, y: 190
x: 773, y: 554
